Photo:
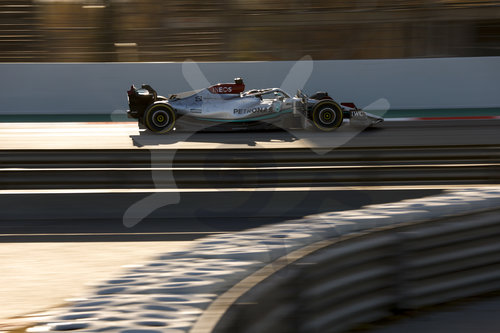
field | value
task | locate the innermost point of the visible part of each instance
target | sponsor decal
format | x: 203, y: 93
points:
x: 264, y: 109
x: 359, y: 114
x: 221, y: 89
x: 227, y: 88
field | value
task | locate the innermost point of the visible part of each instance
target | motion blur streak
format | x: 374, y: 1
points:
x: 222, y: 30
x: 255, y: 178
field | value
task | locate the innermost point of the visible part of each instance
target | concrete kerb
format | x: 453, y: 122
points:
x: 172, y: 293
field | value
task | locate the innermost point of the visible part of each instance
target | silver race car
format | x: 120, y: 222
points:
x: 227, y: 106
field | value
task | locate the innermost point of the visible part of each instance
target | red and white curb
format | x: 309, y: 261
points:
x: 440, y: 118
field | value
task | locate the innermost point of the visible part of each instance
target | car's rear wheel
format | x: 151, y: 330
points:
x: 159, y: 118
x: 327, y: 116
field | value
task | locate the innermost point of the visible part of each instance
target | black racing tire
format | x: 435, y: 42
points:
x: 159, y: 118
x: 327, y: 116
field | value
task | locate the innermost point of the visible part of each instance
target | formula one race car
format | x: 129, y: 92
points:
x: 228, y: 106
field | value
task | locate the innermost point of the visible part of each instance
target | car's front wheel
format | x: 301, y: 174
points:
x: 159, y: 118
x: 327, y: 116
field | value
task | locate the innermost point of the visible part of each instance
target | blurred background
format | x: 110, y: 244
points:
x: 245, y: 30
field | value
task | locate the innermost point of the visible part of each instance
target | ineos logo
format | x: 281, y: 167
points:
x: 221, y: 90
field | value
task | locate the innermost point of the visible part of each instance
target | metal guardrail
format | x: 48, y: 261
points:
x: 374, y: 274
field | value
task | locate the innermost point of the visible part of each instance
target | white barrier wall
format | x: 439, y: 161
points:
x: 100, y: 88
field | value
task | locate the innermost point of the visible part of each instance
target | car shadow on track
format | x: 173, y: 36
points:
x: 245, y: 138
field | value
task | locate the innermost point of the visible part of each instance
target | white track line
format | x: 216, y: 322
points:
x: 316, y: 167
x: 263, y: 189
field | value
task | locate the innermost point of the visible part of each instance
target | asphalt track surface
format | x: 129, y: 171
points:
x: 126, y: 135
x: 97, y: 214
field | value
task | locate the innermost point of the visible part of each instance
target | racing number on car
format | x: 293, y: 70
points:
x: 277, y: 106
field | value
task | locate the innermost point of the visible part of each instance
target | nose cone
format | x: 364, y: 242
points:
x: 374, y: 119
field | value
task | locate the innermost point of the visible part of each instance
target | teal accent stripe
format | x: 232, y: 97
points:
x: 393, y: 113
x: 268, y: 116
